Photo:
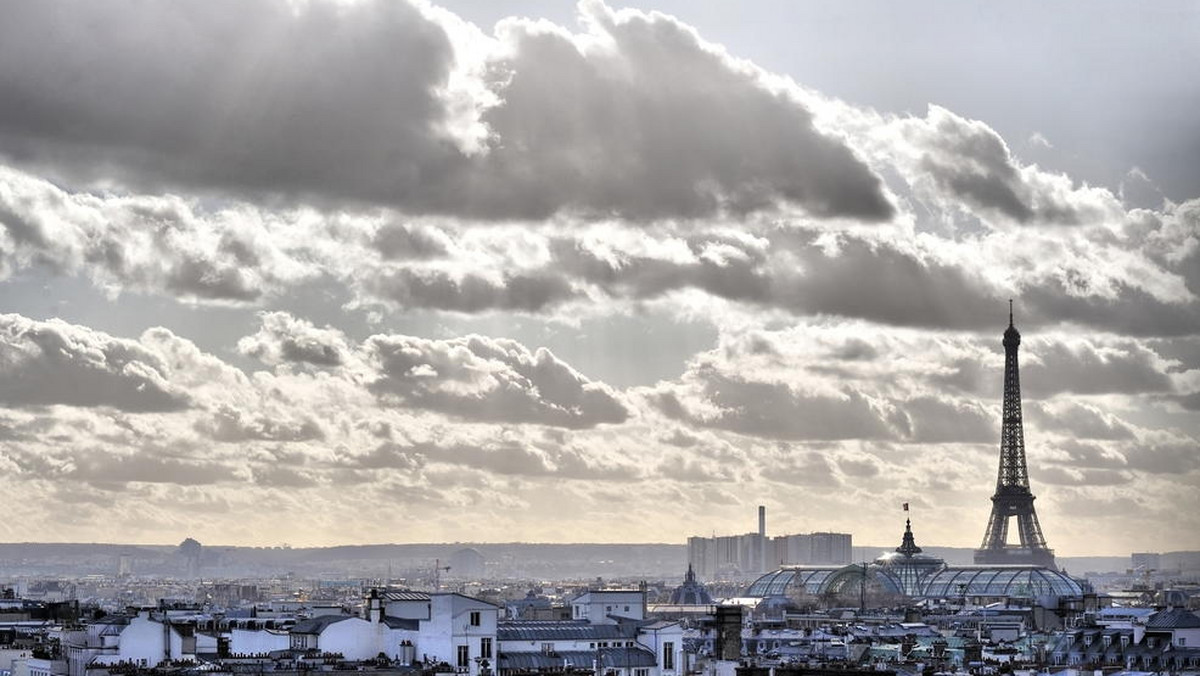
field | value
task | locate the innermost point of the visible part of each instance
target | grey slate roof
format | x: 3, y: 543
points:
x: 1174, y: 619
x: 565, y: 630
x: 404, y: 595
x: 611, y: 658
x: 316, y: 625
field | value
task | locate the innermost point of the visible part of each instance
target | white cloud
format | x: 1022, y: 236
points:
x: 487, y: 379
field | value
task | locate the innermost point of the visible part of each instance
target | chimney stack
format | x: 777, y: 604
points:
x: 762, y: 538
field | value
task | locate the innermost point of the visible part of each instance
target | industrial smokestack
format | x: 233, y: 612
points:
x: 762, y: 538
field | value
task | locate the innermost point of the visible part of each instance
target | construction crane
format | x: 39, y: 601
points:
x: 437, y: 574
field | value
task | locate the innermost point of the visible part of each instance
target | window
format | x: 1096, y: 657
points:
x: 485, y: 647
x: 475, y: 618
x: 626, y: 608
x: 668, y: 656
x: 547, y: 648
x: 464, y: 656
x: 641, y: 672
x: 1182, y: 641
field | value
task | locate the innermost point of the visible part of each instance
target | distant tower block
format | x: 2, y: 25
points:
x: 467, y: 564
x: 1013, y: 497
x: 192, y: 552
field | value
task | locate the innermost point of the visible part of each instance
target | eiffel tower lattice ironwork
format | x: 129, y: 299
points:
x: 1013, y: 499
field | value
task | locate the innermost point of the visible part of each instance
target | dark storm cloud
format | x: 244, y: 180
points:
x: 52, y: 362
x: 487, y: 379
x: 387, y: 103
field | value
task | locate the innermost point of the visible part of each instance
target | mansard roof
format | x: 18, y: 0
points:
x: 562, y: 630
x: 1177, y: 618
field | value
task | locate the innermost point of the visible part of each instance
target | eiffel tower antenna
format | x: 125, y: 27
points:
x: 1013, y: 499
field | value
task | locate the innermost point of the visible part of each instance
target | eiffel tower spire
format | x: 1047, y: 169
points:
x: 1013, y: 497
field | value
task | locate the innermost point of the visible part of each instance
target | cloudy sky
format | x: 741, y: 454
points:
x: 360, y: 271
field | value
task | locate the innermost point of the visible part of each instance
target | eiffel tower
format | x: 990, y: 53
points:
x: 1013, y: 497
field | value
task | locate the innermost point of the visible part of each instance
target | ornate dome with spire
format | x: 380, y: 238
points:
x: 691, y: 592
x: 907, y: 565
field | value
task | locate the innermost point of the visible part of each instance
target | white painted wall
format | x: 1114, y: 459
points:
x: 597, y: 606
x: 144, y: 641
x: 257, y: 641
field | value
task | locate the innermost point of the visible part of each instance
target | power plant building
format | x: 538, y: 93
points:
x: 755, y: 553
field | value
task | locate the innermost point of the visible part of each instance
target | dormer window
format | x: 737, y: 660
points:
x: 1107, y: 640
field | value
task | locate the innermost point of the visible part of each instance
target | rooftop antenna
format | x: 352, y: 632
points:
x: 1010, y: 316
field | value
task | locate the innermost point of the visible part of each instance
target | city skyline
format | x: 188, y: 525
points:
x: 371, y: 271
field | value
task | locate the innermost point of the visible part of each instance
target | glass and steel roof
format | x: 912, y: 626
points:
x: 777, y: 583
x: 947, y: 582
x: 1030, y: 581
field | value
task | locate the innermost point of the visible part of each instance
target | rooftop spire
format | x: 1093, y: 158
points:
x: 1010, y: 318
x: 908, y: 546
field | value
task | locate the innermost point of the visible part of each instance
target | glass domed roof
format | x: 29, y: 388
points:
x: 1028, y: 581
